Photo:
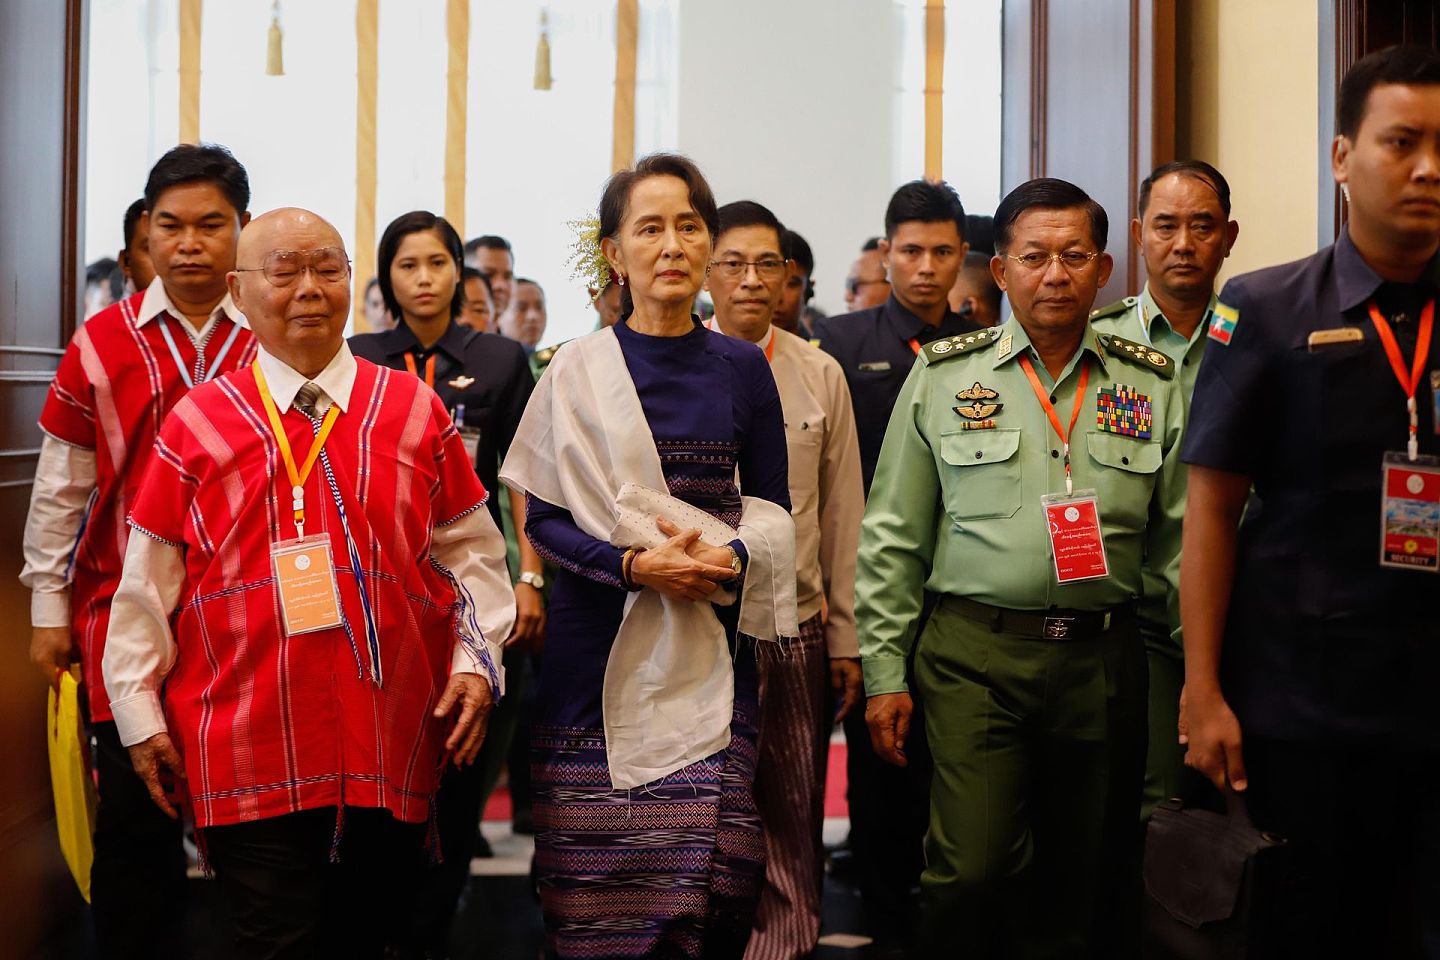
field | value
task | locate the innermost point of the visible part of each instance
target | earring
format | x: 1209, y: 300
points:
x: 620, y: 279
x: 1345, y: 191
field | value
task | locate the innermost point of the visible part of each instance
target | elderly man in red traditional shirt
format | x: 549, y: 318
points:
x: 313, y: 594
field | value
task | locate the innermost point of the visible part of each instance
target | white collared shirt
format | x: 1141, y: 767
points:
x: 157, y: 301
x: 336, y: 381
x: 65, y: 476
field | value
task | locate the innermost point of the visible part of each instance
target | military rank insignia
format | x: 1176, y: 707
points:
x: 978, y: 407
x: 1222, y: 323
x: 1123, y: 410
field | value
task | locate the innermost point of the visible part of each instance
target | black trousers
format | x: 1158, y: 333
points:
x: 1363, y: 824
x: 287, y: 899
x: 433, y: 901
x: 137, y: 880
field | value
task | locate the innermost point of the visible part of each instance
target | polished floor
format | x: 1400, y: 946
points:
x: 499, y: 918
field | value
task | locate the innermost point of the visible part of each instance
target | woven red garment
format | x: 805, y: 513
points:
x: 269, y: 724
x: 112, y: 390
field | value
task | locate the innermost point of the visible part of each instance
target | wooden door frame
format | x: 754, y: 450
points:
x: 1025, y: 81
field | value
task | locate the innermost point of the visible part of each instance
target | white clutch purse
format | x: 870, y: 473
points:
x: 637, y: 506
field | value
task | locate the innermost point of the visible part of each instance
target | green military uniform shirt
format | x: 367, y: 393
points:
x: 957, y: 511
x: 1140, y: 320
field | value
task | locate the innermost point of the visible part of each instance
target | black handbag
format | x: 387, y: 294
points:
x: 1213, y: 884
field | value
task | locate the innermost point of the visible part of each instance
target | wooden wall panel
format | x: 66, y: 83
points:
x: 1089, y: 96
x: 41, y: 53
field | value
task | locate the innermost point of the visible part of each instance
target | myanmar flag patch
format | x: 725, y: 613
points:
x: 1222, y: 322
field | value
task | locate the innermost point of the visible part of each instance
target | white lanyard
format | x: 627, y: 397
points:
x: 199, y: 353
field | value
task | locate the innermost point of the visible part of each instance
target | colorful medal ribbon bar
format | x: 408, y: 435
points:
x: 429, y: 369
x: 297, y: 477
x: 915, y: 346
x: 1044, y: 398
x: 1409, y: 381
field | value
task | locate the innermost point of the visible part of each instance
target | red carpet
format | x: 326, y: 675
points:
x: 498, y: 807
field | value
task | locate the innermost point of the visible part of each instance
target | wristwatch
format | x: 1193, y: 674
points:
x: 533, y: 579
x: 735, y: 564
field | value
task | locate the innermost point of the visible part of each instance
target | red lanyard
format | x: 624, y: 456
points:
x: 1408, y: 382
x: 429, y: 369
x: 915, y: 346
x: 1044, y: 398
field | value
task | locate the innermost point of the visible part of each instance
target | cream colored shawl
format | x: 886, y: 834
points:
x: 584, y: 444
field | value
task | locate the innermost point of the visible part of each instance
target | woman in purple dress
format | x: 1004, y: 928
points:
x: 672, y: 866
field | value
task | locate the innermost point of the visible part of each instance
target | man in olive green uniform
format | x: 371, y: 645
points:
x: 1031, y: 668
x: 1184, y: 233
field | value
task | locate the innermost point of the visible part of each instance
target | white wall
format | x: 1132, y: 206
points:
x: 815, y: 109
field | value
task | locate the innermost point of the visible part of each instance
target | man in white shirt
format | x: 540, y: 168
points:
x: 122, y: 372
x: 747, y: 275
x: 313, y: 686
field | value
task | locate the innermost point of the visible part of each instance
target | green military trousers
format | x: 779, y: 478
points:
x: 1165, y: 772
x: 1039, y: 745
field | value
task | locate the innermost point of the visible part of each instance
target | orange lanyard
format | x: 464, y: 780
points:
x: 297, y: 477
x: 770, y: 348
x: 1408, y: 382
x: 1044, y: 398
x: 915, y: 346
x: 429, y: 369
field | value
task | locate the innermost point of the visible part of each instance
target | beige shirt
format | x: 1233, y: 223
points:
x: 826, y: 493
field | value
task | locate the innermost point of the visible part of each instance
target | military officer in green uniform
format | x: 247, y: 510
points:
x: 1184, y: 233
x: 1026, y: 471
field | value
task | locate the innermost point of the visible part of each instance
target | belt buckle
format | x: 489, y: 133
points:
x: 1058, y: 628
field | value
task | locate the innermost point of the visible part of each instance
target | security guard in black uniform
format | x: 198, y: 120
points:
x: 1312, y: 646
x: 485, y: 382
x: 923, y: 250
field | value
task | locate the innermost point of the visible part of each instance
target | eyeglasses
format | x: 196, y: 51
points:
x: 853, y: 284
x: 283, y: 267
x: 767, y: 268
x: 1072, y: 260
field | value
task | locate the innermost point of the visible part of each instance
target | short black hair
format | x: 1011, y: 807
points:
x: 793, y: 247
x: 748, y: 213
x: 100, y: 270
x: 1409, y: 64
x: 1048, y: 193
x: 470, y: 273
x: 530, y: 282
x: 980, y: 232
x: 132, y: 220
x: 417, y: 221
x: 1195, y: 170
x: 490, y: 242
x: 978, y: 263
x: 371, y: 285
x: 927, y: 202
x: 195, y: 162
x: 872, y: 244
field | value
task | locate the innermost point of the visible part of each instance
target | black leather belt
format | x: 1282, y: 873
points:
x: 1043, y: 624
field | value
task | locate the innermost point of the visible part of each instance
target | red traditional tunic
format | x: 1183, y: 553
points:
x: 115, y: 384
x: 269, y: 724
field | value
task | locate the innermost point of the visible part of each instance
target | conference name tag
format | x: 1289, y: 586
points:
x: 305, y: 581
x: 1076, y: 542
x: 1410, y: 513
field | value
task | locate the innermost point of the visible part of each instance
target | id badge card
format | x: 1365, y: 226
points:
x: 305, y: 582
x: 471, y: 438
x: 1410, y: 513
x: 1076, y: 542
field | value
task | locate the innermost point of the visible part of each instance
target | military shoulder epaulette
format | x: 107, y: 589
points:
x: 1114, y: 309
x: 1139, y: 354
x: 947, y: 347
x: 542, y: 357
